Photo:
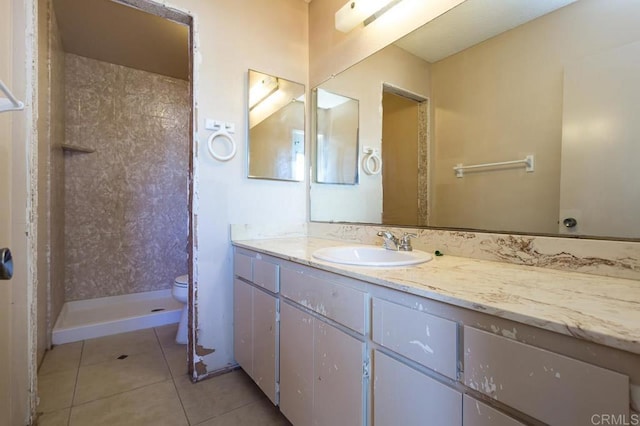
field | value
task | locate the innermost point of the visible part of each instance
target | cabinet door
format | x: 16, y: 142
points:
x: 242, y: 323
x: 264, y: 342
x: 296, y: 365
x: 477, y: 413
x: 338, y: 379
x: 421, y: 337
x: 404, y: 396
x: 547, y: 386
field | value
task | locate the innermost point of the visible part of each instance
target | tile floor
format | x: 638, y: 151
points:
x: 84, y: 383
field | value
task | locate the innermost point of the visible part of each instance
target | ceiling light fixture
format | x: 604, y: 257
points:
x: 356, y: 12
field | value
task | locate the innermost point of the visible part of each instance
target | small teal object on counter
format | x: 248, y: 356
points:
x: 438, y: 253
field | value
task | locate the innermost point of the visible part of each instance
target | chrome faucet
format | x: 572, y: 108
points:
x: 405, y: 242
x: 391, y: 242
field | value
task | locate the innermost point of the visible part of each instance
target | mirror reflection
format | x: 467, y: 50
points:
x: 557, y: 85
x: 336, y: 138
x: 276, y: 128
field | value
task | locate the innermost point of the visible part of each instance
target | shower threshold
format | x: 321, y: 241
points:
x: 87, y: 319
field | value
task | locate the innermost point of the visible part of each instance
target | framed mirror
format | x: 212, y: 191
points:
x: 276, y: 128
x: 336, y: 138
x: 538, y: 95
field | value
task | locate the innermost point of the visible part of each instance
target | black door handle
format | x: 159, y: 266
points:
x: 6, y: 264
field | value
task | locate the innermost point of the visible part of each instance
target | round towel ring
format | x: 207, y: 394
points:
x: 228, y: 139
x: 372, y: 163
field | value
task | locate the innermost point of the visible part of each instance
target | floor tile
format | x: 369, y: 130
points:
x: 112, y: 377
x: 261, y: 412
x: 110, y: 347
x: 167, y: 336
x: 216, y: 396
x: 55, y: 390
x: 60, y: 358
x: 56, y: 418
x: 177, y: 361
x: 153, y: 405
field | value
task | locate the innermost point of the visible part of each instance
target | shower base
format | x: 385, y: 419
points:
x: 86, y: 319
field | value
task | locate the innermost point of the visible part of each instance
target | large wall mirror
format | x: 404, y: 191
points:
x: 540, y: 95
x: 276, y: 128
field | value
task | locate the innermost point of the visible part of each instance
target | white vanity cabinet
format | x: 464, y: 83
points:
x: 547, y: 386
x: 427, y: 339
x: 404, y: 396
x: 335, y: 350
x: 477, y: 413
x: 321, y: 380
x: 255, y: 322
x: 321, y: 357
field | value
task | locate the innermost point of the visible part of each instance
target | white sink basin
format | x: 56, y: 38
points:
x: 371, y: 256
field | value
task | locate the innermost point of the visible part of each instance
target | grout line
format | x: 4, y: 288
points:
x: 173, y: 379
x: 75, y: 386
x: 120, y: 393
x: 227, y: 412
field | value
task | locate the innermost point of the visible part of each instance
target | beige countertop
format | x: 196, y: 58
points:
x: 599, y: 309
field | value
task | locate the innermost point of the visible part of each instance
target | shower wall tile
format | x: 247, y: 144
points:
x: 126, y: 213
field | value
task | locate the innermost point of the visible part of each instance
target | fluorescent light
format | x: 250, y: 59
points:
x: 328, y: 100
x: 355, y: 12
x: 260, y: 91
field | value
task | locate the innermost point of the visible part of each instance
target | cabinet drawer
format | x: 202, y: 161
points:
x: 265, y: 274
x: 337, y: 302
x: 242, y: 266
x: 547, y: 386
x: 403, y: 396
x: 477, y: 413
x: 421, y: 337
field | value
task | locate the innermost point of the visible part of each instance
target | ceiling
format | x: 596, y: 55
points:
x: 474, y: 21
x: 119, y: 34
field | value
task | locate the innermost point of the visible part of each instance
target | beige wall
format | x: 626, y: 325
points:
x: 126, y: 213
x: 332, y: 51
x: 364, y: 81
x: 600, y: 149
x: 5, y: 214
x: 338, y: 153
x: 501, y: 100
x: 400, y: 154
x: 232, y: 37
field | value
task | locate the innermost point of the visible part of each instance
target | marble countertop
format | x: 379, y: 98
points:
x: 594, y: 308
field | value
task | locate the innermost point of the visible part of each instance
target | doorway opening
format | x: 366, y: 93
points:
x: 118, y: 165
x: 404, y: 157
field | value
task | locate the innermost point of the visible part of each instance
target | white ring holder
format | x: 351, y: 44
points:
x: 371, y: 163
x: 225, y: 136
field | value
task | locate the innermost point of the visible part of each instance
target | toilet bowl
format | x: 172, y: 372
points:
x: 180, y: 292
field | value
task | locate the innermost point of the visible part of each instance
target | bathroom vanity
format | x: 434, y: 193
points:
x: 454, y: 341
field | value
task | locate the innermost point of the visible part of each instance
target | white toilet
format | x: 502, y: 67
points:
x: 180, y: 292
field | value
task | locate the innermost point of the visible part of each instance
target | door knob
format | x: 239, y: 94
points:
x: 570, y: 222
x: 6, y: 264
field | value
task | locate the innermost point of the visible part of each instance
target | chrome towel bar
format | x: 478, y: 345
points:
x: 528, y: 161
